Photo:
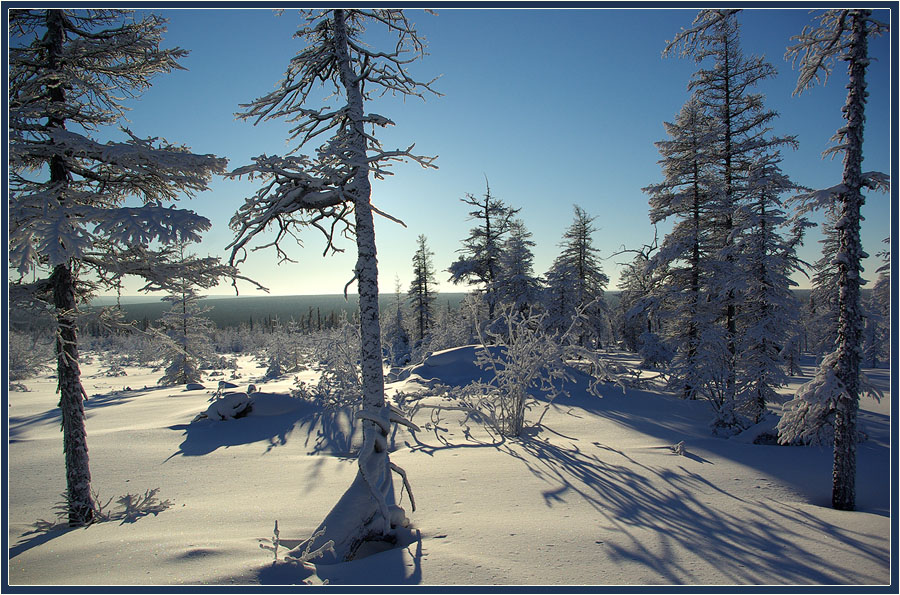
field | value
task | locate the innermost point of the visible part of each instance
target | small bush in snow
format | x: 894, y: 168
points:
x: 229, y: 406
x: 523, y: 358
x: 131, y: 507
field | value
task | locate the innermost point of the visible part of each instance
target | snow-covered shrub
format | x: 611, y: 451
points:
x: 282, y: 352
x: 115, y: 369
x: 654, y: 352
x: 524, y: 358
x: 131, y: 508
x: 26, y: 355
x: 453, y: 328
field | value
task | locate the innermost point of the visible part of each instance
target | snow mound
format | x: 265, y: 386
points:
x: 193, y: 386
x: 230, y: 406
x: 764, y: 432
x: 455, y: 367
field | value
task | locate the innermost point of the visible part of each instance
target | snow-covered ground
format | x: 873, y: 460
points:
x: 595, y: 496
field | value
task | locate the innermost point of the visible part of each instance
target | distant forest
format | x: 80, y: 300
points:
x: 262, y: 310
x: 234, y: 311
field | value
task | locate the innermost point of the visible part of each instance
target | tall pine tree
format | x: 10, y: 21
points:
x: 479, y: 261
x: 842, y: 35
x: 69, y: 71
x: 576, y: 283
x: 423, y: 289
x: 332, y: 192
x: 725, y: 88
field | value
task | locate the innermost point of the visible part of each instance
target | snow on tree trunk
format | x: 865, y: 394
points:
x: 303, y: 191
x: 850, y: 253
x: 69, y: 71
x: 71, y: 393
x: 841, y: 34
x: 366, y: 510
x: 71, y: 400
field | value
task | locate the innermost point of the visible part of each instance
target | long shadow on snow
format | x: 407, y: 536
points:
x: 671, y: 419
x: 274, y: 419
x: 751, y: 544
x: 37, y: 538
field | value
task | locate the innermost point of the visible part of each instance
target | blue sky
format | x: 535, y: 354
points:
x: 555, y: 107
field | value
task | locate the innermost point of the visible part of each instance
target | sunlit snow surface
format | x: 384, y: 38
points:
x: 596, y: 496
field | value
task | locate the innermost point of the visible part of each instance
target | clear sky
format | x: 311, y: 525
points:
x: 554, y: 107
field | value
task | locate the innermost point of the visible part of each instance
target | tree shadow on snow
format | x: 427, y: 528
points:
x: 38, y: 537
x: 748, y: 542
x: 19, y: 425
x: 273, y: 420
x: 670, y: 420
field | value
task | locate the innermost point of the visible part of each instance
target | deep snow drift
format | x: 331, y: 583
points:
x: 595, y: 496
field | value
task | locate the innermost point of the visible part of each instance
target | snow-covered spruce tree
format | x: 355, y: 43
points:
x: 423, y: 289
x: 69, y: 72
x: 479, y: 260
x: 185, y: 330
x: 395, y: 337
x: 685, y: 196
x: 724, y: 87
x: 325, y: 191
x: 517, y: 283
x: 768, y: 317
x: 842, y: 35
x: 576, y: 282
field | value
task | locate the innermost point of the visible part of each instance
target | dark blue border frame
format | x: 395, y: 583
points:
x: 893, y: 6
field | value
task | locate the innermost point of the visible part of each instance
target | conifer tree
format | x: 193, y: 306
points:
x: 332, y: 191
x: 423, y: 289
x: 842, y: 35
x: 686, y: 197
x: 396, y: 339
x: 768, y: 314
x: 877, y: 343
x: 479, y: 261
x: 517, y: 284
x: 69, y: 73
x: 186, y: 331
x: 823, y: 295
x: 576, y: 283
x: 724, y: 86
